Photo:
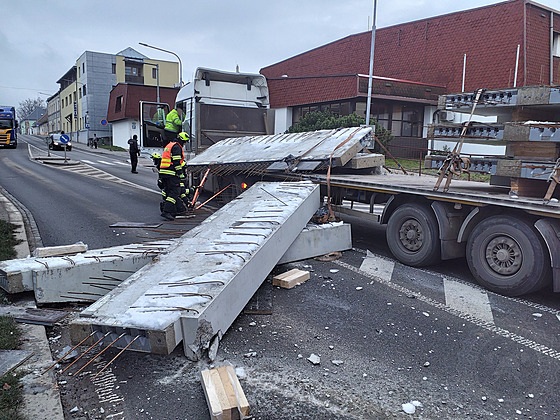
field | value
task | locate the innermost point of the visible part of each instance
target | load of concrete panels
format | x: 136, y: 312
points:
x: 528, y: 124
x: 193, y: 292
x: 309, y: 151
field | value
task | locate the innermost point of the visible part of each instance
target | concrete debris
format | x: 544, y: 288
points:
x: 314, y: 359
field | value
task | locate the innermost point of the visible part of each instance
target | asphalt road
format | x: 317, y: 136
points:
x: 386, y: 334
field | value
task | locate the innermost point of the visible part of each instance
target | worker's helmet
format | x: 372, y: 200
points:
x: 183, y: 136
x: 155, y: 156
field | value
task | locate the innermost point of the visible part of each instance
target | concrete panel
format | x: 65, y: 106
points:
x: 208, y: 276
x: 317, y: 240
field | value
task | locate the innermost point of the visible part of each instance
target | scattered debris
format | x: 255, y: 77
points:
x: 332, y: 256
x: 537, y: 315
x: 290, y: 279
x: 44, y: 317
x: 57, y: 251
x: 334, y: 270
x: 337, y: 362
x: 224, y: 395
x: 313, y: 358
x: 67, y: 354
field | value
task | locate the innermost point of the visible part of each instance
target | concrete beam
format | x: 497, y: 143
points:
x: 208, y: 277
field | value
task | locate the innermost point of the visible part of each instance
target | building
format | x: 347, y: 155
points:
x: 86, y: 86
x: 42, y: 126
x: 28, y: 125
x: 124, y: 108
x: 512, y: 43
x: 53, y: 111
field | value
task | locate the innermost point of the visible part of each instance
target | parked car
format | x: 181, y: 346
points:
x: 55, y: 143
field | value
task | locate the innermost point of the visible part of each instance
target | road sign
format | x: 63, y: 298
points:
x: 64, y: 139
x: 103, y: 122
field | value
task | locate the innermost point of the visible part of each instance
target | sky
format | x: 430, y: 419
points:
x: 41, y: 40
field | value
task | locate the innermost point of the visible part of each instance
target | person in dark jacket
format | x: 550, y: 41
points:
x: 171, y: 174
x: 134, y: 152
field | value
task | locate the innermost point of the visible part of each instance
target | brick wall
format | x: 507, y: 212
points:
x: 431, y: 50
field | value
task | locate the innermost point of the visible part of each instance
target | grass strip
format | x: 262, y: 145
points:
x: 11, y: 392
x: 8, y: 240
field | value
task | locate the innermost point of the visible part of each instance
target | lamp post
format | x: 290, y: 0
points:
x: 368, y: 109
x: 170, y: 52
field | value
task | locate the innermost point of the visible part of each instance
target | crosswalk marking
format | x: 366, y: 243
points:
x: 465, y: 298
x: 106, y: 163
x: 377, y: 266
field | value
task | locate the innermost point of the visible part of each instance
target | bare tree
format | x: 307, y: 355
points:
x: 27, y: 106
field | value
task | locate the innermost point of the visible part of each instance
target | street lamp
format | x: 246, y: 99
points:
x: 170, y: 52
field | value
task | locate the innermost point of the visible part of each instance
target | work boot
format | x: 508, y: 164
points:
x: 167, y: 216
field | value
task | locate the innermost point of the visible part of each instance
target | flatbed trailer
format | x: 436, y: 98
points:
x: 511, y: 243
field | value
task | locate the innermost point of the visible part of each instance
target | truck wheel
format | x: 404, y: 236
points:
x: 413, y: 235
x: 506, y: 255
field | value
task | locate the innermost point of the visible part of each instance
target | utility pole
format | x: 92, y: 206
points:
x: 170, y: 52
x: 368, y: 109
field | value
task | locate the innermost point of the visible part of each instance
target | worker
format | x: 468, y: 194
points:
x: 174, y: 123
x: 171, y: 174
x: 159, y: 116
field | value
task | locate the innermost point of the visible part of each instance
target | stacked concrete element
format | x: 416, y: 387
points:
x: 528, y: 123
x: 195, y: 291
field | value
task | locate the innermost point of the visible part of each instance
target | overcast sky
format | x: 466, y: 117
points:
x: 41, y: 40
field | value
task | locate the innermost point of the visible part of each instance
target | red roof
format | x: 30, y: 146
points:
x: 132, y: 95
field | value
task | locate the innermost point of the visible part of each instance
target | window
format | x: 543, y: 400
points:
x: 83, y: 68
x: 118, y: 104
x: 556, y: 44
x: 132, y: 71
x: 113, y: 68
x: 84, y: 88
x: 154, y: 73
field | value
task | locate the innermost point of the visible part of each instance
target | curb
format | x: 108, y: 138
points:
x: 41, y: 396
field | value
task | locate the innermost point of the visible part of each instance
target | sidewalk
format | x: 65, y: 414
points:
x: 40, y: 392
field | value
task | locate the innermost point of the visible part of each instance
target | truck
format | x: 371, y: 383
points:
x: 217, y: 105
x: 8, y: 127
x: 511, y: 242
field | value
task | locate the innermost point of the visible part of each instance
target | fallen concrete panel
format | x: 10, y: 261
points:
x: 317, y: 240
x: 79, y: 278
x: 196, y: 290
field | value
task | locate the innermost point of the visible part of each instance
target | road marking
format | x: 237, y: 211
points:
x: 377, y: 266
x: 88, y: 162
x: 519, y: 339
x: 465, y: 298
x: 106, y: 163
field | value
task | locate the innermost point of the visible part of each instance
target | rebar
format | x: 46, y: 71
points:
x: 67, y: 353
x: 114, y: 358
x: 100, y: 353
x: 85, y: 352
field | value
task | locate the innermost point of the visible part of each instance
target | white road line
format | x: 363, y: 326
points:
x: 106, y: 163
x: 468, y: 299
x: 121, y: 163
x: 526, y: 342
x: 87, y: 161
x: 377, y: 266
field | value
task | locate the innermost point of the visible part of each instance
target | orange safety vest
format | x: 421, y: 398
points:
x: 165, y: 166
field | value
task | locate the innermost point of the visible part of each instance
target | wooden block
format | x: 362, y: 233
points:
x: 224, y: 395
x: 56, y: 251
x: 242, y: 403
x: 290, y: 278
x: 211, y: 394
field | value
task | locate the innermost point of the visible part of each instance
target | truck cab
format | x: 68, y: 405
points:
x: 8, y: 127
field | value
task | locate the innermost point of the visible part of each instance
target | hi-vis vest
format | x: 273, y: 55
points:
x: 169, y: 164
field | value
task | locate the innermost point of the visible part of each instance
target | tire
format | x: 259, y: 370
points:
x: 507, y: 255
x: 413, y: 235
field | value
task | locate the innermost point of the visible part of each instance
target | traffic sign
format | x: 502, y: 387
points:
x: 64, y: 139
x: 103, y: 122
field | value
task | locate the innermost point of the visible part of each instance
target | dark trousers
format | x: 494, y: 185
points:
x: 172, y: 192
x: 170, y: 135
x: 133, y: 161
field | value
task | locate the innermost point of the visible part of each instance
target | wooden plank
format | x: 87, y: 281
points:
x: 242, y: 403
x: 54, y: 251
x: 221, y: 394
x: 45, y: 317
x: 230, y: 393
x: 11, y: 359
x: 291, y: 280
x: 212, y: 398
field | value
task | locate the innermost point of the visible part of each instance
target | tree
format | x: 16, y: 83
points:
x: 326, y: 120
x: 27, y: 106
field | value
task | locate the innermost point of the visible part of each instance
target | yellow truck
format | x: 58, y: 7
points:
x: 8, y: 127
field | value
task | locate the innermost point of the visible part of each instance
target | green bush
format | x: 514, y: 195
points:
x: 326, y: 120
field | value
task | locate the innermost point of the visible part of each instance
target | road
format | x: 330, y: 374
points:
x: 386, y: 334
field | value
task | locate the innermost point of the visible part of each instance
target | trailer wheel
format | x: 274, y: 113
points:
x: 413, y: 235
x: 506, y: 255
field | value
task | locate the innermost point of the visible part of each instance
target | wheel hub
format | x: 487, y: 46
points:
x: 503, y: 255
x: 411, y: 235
